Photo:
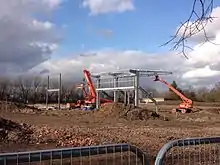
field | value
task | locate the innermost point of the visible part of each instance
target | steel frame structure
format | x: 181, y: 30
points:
x: 127, y: 80
x: 58, y: 90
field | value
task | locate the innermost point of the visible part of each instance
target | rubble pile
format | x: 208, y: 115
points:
x: 62, y: 137
x: 111, y: 110
x: 14, y: 132
x: 18, y: 108
x: 142, y: 114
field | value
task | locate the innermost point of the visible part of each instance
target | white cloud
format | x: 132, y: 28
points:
x: 106, y: 6
x: 52, y: 3
x: 203, y: 68
x: 201, y: 72
x: 25, y: 41
x: 42, y: 25
x: 110, y: 60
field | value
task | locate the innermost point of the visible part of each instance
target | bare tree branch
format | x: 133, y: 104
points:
x: 5, y: 89
x: 36, y: 84
x: 194, y: 25
x: 24, y: 85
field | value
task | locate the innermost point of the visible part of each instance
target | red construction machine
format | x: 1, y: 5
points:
x: 89, y: 97
x: 186, y: 105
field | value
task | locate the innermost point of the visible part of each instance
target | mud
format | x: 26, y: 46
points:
x: 114, y: 123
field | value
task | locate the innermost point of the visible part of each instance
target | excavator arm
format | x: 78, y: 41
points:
x: 90, y: 83
x: 184, y: 98
x: 183, y: 107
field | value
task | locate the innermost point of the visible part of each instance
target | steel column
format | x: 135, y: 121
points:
x: 97, y: 93
x: 136, y: 89
x: 128, y: 92
x: 115, y: 92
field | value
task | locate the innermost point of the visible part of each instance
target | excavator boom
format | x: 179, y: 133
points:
x: 92, y: 90
x: 187, y: 103
x: 89, y: 82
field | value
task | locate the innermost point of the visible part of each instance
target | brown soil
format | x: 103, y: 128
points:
x: 114, y: 123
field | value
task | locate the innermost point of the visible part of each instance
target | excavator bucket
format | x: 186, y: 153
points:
x: 156, y: 78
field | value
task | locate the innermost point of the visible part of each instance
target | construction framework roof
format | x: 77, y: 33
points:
x: 130, y: 73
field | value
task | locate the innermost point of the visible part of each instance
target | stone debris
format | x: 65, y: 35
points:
x: 62, y: 137
x: 12, y: 132
x: 113, y: 123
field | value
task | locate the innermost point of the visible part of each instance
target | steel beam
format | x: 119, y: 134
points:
x: 113, y: 89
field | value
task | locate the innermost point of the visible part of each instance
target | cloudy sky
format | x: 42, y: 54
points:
x: 40, y: 36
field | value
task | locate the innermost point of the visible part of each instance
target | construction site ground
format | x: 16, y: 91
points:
x: 23, y: 128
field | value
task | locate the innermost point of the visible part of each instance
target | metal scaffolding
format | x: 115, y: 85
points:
x: 49, y: 90
x: 127, y: 81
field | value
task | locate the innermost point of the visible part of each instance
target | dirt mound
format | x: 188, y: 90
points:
x: 18, y: 108
x: 111, y: 110
x: 14, y: 132
x: 62, y: 137
x: 141, y: 114
x: 118, y: 110
x: 206, y: 110
x: 214, y: 111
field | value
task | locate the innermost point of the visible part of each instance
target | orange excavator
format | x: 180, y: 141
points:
x: 186, y: 105
x: 89, y: 97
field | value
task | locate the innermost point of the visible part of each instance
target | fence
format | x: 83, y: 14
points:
x: 106, y: 154
x: 195, y: 151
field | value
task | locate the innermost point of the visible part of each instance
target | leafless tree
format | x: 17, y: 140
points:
x: 24, y: 85
x: 69, y: 92
x: 35, y: 85
x: 65, y: 89
x: 5, y: 88
x: 199, y: 17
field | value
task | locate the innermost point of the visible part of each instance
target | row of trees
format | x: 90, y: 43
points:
x: 33, y: 90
